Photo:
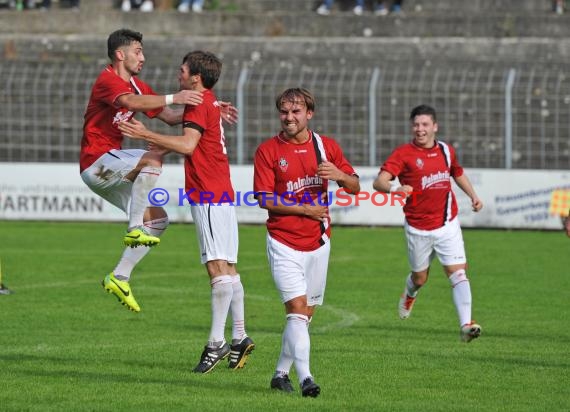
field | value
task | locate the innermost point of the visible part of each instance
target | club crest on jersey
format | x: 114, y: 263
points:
x: 283, y: 165
x: 419, y: 163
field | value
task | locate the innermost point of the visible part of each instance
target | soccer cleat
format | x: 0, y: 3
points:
x: 282, y: 383
x: 122, y: 290
x: 211, y: 357
x: 240, y: 352
x: 310, y: 388
x: 139, y: 237
x: 405, y: 306
x: 470, y: 331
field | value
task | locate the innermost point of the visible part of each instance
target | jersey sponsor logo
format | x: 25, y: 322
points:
x: 283, y: 165
x: 304, y: 183
x: 419, y: 163
x: 122, y: 117
x: 434, y: 179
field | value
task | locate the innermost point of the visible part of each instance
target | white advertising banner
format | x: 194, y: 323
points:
x: 512, y: 199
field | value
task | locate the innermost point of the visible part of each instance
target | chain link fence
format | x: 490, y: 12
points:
x: 496, y: 117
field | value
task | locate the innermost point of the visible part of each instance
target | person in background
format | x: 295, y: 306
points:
x: 379, y: 7
x: 125, y: 177
x: 196, y: 5
x: 208, y: 177
x: 424, y: 168
x: 291, y: 175
x: 142, y: 5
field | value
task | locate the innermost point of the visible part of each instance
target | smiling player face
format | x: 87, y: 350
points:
x: 294, y: 117
x: 424, y: 130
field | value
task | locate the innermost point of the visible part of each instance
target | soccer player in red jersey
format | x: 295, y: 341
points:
x: 291, y: 174
x: 124, y: 177
x: 425, y: 167
x: 211, y: 196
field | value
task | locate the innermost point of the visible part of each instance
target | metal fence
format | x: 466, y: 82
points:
x: 496, y: 117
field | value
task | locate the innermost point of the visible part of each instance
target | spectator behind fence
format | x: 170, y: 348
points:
x: 197, y: 6
x: 43, y: 4
x: 144, y: 6
x: 73, y: 4
x: 558, y: 6
x: 380, y: 8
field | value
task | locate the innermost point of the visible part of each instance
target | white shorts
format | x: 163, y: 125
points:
x: 445, y: 242
x: 106, y: 176
x: 217, y: 231
x: 297, y: 273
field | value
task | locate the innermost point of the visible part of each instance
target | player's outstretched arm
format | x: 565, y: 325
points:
x: 184, y: 144
x: 146, y: 102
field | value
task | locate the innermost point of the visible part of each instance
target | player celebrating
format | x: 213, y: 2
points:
x: 124, y: 177
x: 291, y: 174
x: 424, y: 167
x: 210, y: 189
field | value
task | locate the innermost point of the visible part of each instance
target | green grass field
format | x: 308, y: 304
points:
x: 65, y: 345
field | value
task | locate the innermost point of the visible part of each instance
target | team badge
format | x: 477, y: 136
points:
x: 283, y: 165
x: 419, y: 163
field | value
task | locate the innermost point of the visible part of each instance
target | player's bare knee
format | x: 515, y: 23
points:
x: 420, y: 278
x: 151, y: 159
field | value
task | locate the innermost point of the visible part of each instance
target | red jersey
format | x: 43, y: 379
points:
x: 429, y: 172
x: 289, y: 171
x: 208, y: 169
x: 100, y: 133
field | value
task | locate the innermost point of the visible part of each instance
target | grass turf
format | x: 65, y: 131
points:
x: 67, y: 345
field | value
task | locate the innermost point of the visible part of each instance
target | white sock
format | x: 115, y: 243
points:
x: 298, y: 344
x: 144, y: 182
x: 461, y: 291
x: 221, y: 299
x: 238, y: 311
x: 411, y: 288
x: 285, y: 357
x: 133, y: 255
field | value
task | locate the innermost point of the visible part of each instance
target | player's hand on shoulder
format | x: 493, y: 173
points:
x: 189, y: 97
x: 228, y: 112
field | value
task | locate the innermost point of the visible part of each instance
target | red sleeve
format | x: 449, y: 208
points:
x: 263, y: 173
x: 110, y: 88
x: 455, y: 170
x: 196, y: 114
x: 336, y: 156
x: 394, y: 164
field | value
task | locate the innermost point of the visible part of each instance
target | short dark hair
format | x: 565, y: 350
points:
x: 423, y: 109
x: 206, y: 64
x: 119, y: 38
x: 294, y: 95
